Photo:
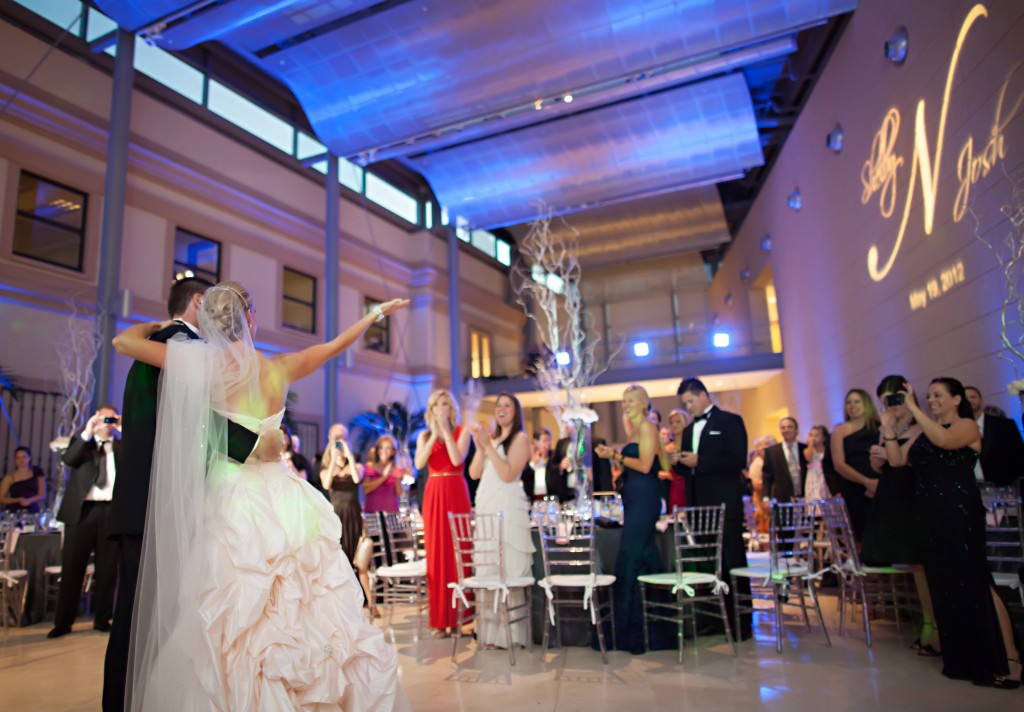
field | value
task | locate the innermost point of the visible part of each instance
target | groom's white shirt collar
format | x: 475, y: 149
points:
x: 192, y: 328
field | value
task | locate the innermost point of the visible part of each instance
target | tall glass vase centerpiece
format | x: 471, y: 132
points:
x: 579, y: 420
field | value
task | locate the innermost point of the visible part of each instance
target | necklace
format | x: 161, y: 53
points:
x: 902, y: 431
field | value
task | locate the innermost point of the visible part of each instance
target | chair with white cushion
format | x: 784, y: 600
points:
x: 874, y: 588
x: 697, y: 579
x: 404, y: 580
x: 575, y: 588
x: 788, y: 579
x: 480, y: 561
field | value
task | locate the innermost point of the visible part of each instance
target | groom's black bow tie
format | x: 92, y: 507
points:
x: 702, y: 417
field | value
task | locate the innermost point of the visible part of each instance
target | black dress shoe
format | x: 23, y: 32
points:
x: 101, y: 627
x: 58, y: 632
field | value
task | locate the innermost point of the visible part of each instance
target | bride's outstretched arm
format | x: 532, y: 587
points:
x: 302, y: 363
x: 134, y: 342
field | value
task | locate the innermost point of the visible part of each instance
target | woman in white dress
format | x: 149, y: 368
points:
x: 245, y: 600
x: 498, y: 464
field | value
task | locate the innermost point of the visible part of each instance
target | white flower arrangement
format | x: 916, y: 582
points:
x: 60, y: 443
x: 1016, y: 388
x: 580, y: 413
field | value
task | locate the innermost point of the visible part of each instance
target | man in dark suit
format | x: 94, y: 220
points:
x: 128, y: 510
x: 714, y: 447
x: 785, y: 465
x: 92, y: 456
x: 1002, y: 450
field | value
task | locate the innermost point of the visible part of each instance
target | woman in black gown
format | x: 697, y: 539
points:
x: 974, y: 627
x: 641, y: 502
x: 851, y: 457
x: 891, y: 535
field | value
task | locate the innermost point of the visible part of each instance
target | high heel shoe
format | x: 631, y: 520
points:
x: 1005, y: 683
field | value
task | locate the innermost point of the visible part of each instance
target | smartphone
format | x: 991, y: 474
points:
x: 337, y: 445
x: 892, y: 399
x: 110, y: 419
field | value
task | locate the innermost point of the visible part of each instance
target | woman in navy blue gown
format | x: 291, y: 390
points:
x: 640, y: 460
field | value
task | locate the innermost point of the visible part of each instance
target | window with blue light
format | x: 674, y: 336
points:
x: 195, y: 256
x: 307, y: 146
x: 484, y: 241
x: 170, y: 71
x: 59, y: 12
x: 351, y: 176
x: 50, y: 222
x: 97, y: 24
x: 247, y: 115
x: 428, y: 215
x: 392, y: 199
x: 503, y: 253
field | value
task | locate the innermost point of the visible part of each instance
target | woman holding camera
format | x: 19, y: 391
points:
x: 339, y: 474
x: 974, y: 627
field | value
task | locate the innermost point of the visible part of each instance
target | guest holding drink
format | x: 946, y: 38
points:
x: 561, y: 482
x: 851, y: 457
x: 535, y: 480
x: 641, y: 502
x: 442, y: 448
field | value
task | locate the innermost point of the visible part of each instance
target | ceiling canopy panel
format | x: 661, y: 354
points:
x: 374, y: 74
x: 695, y: 134
x: 661, y: 225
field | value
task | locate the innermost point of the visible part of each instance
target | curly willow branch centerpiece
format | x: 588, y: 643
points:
x: 546, y: 283
x: 1009, y: 253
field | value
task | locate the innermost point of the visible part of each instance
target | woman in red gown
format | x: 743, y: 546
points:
x: 442, y: 450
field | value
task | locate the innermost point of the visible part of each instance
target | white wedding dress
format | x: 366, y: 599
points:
x: 245, y: 598
x: 492, y: 496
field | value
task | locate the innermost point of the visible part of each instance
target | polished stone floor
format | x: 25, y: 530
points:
x: 64, y: 674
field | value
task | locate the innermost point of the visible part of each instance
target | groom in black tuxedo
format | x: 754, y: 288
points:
x: 131, y: 490
x: 714, y: 447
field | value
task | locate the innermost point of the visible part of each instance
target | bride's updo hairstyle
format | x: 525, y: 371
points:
x: 226, y: 305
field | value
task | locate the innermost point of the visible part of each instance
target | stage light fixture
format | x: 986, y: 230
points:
x: 834, y: 139
x: 745, y: 274
x: 641, y: 349
x: 795, y: 200
x: 896, y: 46
x: 562, y: 358
x: 567, y: 98
x: 766, y: 243
x: 720, y: 340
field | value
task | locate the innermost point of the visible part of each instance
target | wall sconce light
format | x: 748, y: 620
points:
x: 834, y: 139
x: 795, y: 200
x: 745, y: 274
x: 641, y: 349
x: 720, y: 339
x: 896, y: 46
x: 766, y: 243
x: 562, y: 358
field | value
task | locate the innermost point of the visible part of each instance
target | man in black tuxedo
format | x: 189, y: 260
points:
x: 131, y: 495
x: 714, y: 447
x: 1002, y: 450
x: 785, y: 465
x: 93, y: 456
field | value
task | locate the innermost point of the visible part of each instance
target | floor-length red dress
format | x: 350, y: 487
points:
x: 446, y: 492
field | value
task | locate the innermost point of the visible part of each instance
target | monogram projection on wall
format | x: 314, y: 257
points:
x: 884, y: 167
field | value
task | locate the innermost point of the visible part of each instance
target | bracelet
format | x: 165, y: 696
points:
x: 889, y: 440
x: 375, y: 309
x: 618, y: 457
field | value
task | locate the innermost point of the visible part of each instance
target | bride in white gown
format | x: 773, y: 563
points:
x: 498, y: 464
x: 245, y: 600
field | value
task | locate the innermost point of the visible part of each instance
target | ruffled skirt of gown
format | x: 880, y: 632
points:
x: 279, y: 606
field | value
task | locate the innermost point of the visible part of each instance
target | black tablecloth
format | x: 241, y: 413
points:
x: 607, y: 542
x: 40, y: 549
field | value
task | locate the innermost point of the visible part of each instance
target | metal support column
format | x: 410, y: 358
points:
x: 454, y: 316
x: 113, y: 213
x: 332, y: 238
